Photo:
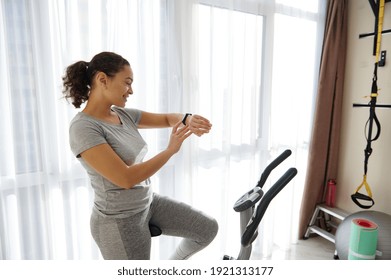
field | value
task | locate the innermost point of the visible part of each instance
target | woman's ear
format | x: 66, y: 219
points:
x: 101, y: 79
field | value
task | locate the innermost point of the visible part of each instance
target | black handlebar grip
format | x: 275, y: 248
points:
x: 273, y: 165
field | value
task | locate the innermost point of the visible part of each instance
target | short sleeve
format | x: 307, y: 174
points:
x: 134, y: 114
x: 83, y: 135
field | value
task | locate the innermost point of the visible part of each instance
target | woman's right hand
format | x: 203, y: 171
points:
x: 178, y: 135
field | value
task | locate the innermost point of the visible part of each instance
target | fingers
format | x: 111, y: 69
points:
x: 199, y: 125
x: 199, y: 120
x: 178, y: 135
x: 181, y: 132
x: 176, y: 126
x: 184, y: 132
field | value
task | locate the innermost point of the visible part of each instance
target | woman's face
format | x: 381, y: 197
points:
x: 120, y: 86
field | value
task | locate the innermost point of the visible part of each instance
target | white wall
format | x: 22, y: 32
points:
x: 358, y: 81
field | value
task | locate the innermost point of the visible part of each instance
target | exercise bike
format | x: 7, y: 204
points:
x: 246, y: 204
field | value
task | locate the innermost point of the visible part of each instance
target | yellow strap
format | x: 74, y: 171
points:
x: 367, y: 187
x: 379, y: 28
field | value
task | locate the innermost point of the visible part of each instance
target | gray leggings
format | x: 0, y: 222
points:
x: 129, y: 238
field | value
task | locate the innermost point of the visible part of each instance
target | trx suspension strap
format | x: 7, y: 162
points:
x: 373, y: 120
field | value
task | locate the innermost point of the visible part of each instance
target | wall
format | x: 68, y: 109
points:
x: 358, y: 81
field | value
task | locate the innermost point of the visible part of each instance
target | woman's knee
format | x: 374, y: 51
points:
x: 212, y: 229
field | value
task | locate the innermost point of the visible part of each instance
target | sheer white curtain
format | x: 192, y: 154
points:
x: 45, y: 197
x: 249, y: 66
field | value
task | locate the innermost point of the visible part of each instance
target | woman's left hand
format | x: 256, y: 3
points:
x: 199, y: 125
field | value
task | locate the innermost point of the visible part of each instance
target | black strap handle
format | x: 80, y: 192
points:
x: 359, y: 196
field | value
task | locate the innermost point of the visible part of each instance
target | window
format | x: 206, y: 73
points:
x: 257, y: 80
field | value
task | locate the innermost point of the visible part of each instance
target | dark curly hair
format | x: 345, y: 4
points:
x: 78, y: 76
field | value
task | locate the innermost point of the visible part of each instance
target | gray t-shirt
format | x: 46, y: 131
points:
x: 86, y: 132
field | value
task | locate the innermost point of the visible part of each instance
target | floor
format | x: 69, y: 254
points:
x: 314, y: 248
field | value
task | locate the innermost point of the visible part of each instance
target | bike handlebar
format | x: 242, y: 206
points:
x: 251, y: 228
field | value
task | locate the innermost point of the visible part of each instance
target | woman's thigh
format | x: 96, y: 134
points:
x: 179, y: 219
x: 122, y: 238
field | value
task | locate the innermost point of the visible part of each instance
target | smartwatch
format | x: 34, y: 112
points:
x: 185, y: 117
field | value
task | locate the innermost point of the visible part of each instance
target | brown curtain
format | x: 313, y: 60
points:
x: 323, y: 152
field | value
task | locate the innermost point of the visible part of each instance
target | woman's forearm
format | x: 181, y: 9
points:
x: 142, y: 171
x: 174, y: 118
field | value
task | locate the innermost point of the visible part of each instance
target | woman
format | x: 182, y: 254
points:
x: 105, y: 138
